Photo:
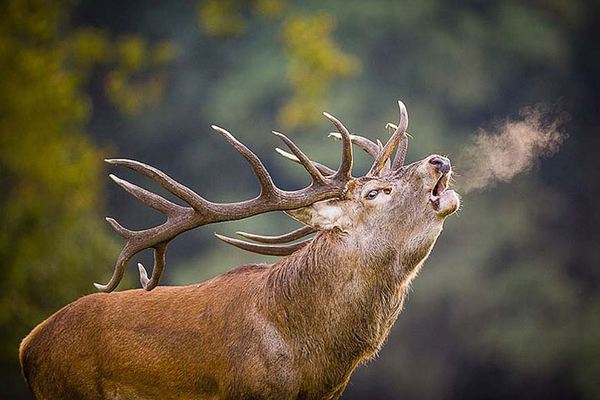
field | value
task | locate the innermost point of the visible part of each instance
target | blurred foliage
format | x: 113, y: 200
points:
x: 52, y: 237
x: 221, y: 17
x: 314, y: 59
x: 135, y: 79
x: 508, y: 304
x: 314, y: 63
x: 225, y: 18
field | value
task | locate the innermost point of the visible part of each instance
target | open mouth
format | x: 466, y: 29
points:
x: 440, y: 187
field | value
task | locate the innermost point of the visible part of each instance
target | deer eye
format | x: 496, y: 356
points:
x: 372, y: 194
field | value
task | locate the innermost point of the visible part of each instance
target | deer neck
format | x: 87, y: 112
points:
x: 333, y: 296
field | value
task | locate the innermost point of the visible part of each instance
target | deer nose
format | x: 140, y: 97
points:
x: 442, y: 164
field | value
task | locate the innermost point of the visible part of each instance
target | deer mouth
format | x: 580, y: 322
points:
x: 438, y: 189
x: 444, y: 201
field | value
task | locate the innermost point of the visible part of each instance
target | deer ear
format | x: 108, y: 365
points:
x: 326, y: 214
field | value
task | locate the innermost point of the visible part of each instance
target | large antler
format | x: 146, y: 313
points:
x: 273, y: 245
x: 201, y: 211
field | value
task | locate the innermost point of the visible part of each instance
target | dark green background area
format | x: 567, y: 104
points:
x: 507, y: 307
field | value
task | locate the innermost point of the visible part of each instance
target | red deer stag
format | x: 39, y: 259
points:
x: 295, y: 329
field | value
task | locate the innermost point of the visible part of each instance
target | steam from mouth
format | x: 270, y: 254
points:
x: 512, y: 149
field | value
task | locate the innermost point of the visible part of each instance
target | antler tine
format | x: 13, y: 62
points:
x: 150, y: 199
x: 160, y: 259
x: 392, y: 143
x: 123, y: 232
x: 302, y: 158
x: 369, y: 147
x: 323, y: 169
x: 285, y: 238
x: 267, y: 250
x: 402, y: 148
x: 264, y: 178
x: 345, y: 169
x: 201, y: 211
x: 401, y: 153
x: 119, y: 270
x: 178, y: 189
x: 362, y: 142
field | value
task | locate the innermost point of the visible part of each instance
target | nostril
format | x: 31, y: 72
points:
x: 442, y: 164
x: 436, y: 161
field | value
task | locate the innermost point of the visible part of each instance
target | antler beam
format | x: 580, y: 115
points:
x: 200, y: 211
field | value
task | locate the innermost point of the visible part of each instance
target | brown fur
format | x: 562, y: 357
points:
x: 292, y: 330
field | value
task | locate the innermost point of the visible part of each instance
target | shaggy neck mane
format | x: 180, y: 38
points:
x: 334, y: 297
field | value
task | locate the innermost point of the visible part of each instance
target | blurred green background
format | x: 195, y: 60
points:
x: 508, y: 304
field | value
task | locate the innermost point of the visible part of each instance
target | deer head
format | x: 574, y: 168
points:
x: 393, y: 206
x: 397, y: 209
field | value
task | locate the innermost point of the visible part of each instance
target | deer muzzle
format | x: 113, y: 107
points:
x: 444, y: 201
